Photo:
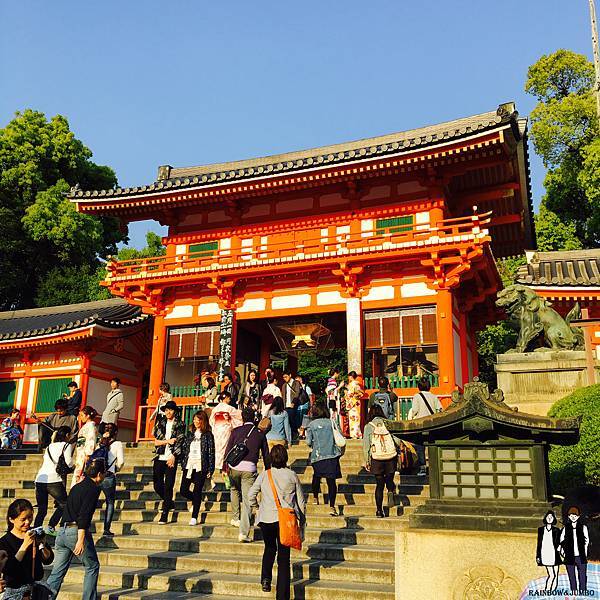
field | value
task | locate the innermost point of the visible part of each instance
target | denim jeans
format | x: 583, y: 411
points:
x: 59, y: 493
x: 241, y: 482
x: 63, y: 555
x: 109, y: 487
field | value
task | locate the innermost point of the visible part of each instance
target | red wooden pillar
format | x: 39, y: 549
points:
x: 445, y: 341
x: 157, y: 365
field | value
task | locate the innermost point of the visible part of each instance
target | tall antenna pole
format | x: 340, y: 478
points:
x: 596, y: 55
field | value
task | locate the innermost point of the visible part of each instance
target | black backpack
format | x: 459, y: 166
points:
x: 303, y: 396
x: 239, y: 452
x: 61, y: 467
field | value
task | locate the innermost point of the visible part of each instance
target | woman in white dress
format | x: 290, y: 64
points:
x: 547, y: 553
x: 223, y: 419
x: 86, y: 441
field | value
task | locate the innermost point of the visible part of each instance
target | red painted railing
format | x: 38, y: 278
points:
x: 303, y: 246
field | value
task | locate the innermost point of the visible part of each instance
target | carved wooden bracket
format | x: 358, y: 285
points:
x: 225, y: 295
x: 349, y: 275
x: 447, y: 270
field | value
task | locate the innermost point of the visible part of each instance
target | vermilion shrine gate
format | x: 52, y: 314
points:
x: 387, y: 243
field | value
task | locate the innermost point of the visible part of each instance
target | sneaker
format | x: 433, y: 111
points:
x: 193, y: 521
x: 235, y: 522
x: 244, y: 539
x: 316, y: 501
x: 390, y: 499
x: 422, y: 472
x: 108, y: 534
x: 266, y: 585
x: 379, y: 514
x: 333, y: 512
x: 164, y: 518
x: 50, y: 531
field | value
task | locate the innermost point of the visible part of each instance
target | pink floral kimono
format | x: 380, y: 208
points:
x: 223, y: 419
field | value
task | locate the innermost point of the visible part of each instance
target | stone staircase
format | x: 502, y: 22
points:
x: 349, y: 557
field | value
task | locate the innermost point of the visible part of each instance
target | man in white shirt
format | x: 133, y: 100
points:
x: 291, y: 393
x: 574, y: 542
x: 424, y: 404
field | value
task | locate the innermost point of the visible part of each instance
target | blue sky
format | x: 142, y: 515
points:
x: 145, y: 83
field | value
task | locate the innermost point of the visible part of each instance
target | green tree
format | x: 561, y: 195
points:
x: 552, y: 233
x: 564, y: 130
x: 41, y: 234
x: 70, y: 284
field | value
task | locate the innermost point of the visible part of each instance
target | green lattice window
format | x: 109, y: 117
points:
x: 48, y: 392
x: 205, y: 249
x: 8, y: 390
x: 394, y: 224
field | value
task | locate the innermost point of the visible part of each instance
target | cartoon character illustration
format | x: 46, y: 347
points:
x: 547, y: 553
x: 574, y: 542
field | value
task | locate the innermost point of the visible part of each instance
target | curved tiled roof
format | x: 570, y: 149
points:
x: 170, y: 178
x: 114, y: 313
x: 573, y: 268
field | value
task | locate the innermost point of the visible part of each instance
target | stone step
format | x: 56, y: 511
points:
x: 233, y: 584
x: 155, y: 538
x: 182, y: 533
x: 73, y: 592
x: 243, y: 564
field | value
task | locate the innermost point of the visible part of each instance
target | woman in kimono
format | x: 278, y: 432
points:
x: 223, y: 419
x: 86, y: 441
x: 354, y: 396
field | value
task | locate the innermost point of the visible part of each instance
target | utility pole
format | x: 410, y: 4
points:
x: 596, y: 55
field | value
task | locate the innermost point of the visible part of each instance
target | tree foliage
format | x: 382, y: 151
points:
x: 70, y: 284
x: 564, y: 130
x: 41, y: 234
x: 572, y: 466
x: 552, y: 233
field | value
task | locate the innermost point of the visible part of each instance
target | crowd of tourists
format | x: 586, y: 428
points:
x: 239, y: 427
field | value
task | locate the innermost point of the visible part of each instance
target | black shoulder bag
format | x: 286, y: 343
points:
x: 426, y: 403
x: 60, y: 465
x: 238, y: 452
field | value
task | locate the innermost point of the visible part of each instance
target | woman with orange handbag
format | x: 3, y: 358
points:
x: 281, y: 518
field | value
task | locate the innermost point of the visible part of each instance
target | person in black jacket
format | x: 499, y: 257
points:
x: 27, y: 553
x: 75, y: 538
x: 547, y: 553
x: 574, y: 542
x: 73, y: 399
x: 197, y: 461
x: 243, y: 474
x: 169, y: 434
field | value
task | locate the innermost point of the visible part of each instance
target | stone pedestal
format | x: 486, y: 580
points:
x: 456, y: 565
x: 534, y: 381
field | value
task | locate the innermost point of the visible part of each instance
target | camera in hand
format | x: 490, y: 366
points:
x: 37, y: 531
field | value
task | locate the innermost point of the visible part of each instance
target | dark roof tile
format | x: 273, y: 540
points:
x: 572, y: 268
x: 114, y: 313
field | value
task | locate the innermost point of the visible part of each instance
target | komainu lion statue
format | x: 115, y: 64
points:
x: 534, y: 316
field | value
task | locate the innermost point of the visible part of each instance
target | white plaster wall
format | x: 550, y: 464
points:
x: 419, y: 288
x: 210, y: 308
x: 253, y: 305
x: 98, y: 390
x: 297, y: 301
x: 180, y: 312
x: 382, y: 292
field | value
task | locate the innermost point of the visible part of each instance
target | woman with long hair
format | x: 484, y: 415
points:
x: 324, y: 455
x: 223, y: 419
x: 210, y: 395
x: 115, y: 462
x: 380, y: 455
x: 27, y: 551
x: 49, y: 483
x: 197, y: 461
x: 251, y: 391
x: 547, y: 553
x: 280, y: 432
x: 290, y: 495
x: 86, y: 441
